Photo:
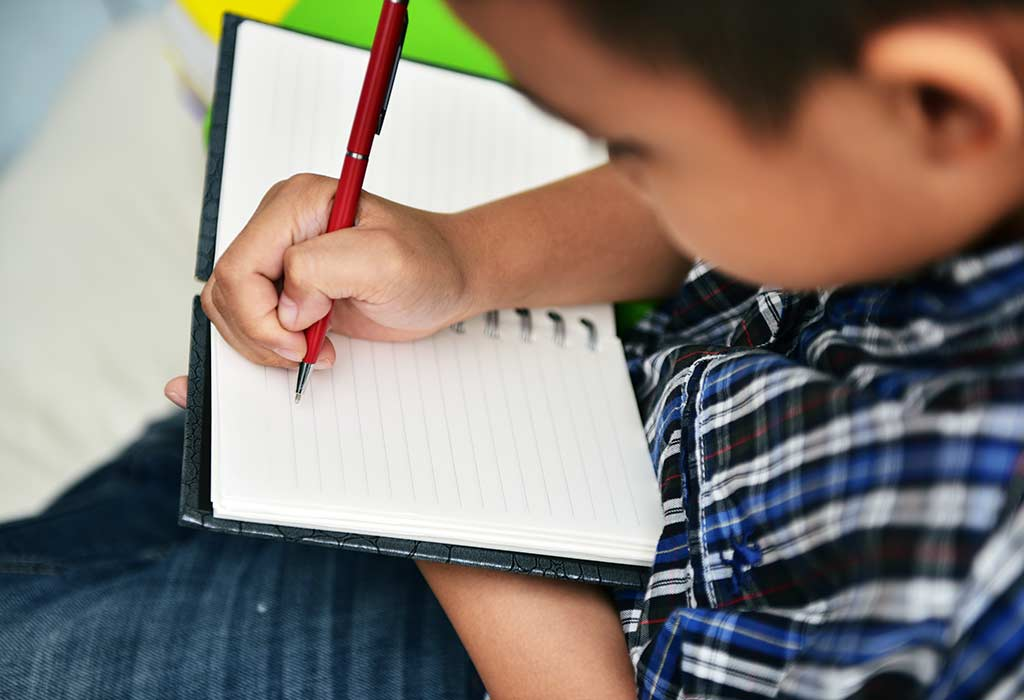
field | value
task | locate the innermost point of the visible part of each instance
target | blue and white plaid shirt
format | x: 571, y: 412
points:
x: 841, y: 476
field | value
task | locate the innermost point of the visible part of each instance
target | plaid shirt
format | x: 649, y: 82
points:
x: 841, y: 476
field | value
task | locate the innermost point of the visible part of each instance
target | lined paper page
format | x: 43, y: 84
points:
x: 504, y: 442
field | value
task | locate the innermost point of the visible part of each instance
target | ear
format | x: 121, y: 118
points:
x: 953, y: 87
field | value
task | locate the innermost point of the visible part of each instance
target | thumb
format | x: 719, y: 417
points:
x: 177, y: 391
x: 351, y: 263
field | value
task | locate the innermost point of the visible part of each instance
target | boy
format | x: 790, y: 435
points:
x: 841, y: 470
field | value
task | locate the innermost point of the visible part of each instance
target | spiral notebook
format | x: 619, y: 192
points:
x: 511, y: 435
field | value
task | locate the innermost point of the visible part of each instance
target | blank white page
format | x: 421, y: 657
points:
x: 510, y: 435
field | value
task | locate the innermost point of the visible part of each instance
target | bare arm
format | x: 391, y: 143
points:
x: 588, y: 238
x: 531, y: 637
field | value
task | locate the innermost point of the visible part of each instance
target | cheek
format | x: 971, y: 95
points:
x: 761, y: 224
x: 708, y: 216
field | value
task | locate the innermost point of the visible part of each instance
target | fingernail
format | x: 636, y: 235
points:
x: 175, y: 397
x: 323, y: 364
x: 293, y: 355
x: 287, y: 311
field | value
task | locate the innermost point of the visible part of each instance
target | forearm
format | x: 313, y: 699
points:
x: 531, y: 637
x: 588, y: 238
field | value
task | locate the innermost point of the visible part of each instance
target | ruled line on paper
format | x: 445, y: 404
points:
x: 405, y: 432
x: 513, y: 422
x: 316, y: 445
x: 291, y: 434
x: 622, y: 455
x: 533, y: 436
x: 469, y: 432
x: 426, y: 433
x: 575, y: 432
x: 337, y: 432
x: 488, y: 422
x: 444, y: 417
x: 359, y: 416
x: 585, y: 386
x: 267, y: 425
x: 381, y: 425
x: 565, y: 477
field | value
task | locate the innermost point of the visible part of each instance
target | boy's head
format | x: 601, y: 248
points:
x: 806, y: 143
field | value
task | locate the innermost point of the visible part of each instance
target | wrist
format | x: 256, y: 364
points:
x: 468, y: 245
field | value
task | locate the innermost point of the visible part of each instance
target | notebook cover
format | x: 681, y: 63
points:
x: 195, y: 508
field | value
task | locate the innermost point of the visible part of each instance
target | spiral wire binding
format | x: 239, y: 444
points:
x: 492, y: 327
x: 591, y: 333
x: 525, y: 325
x: 559, y: 328
x: 491, y: 324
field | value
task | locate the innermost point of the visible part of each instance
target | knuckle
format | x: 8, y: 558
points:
x: 269, y: 196
x: 251, y: 328
x: 229, y: 283
x: 218, y: 301
x: 275, y: 188
x: 206, y: 298
x: 300, y: 182
x: 374, y: 211
x: 298, y: 267
x: 228, y: 271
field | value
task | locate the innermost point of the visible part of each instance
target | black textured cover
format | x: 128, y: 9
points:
x: 215, y: 155
x: 195, y: 509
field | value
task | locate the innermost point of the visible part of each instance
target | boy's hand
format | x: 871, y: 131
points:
x: 394, y: 276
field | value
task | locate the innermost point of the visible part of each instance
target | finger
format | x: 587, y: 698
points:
x: 255, y: 329
x: 328, y: 355
x: 261, y: 355
x: 244, y: 288
x: 292, y: 211
x: 296, y: 210
x: 344, y: 264
x: 177, y: 391
x: 256, y: 326
x: 244, y: 345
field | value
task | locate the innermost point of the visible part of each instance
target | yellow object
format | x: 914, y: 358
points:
x: 208, y: 13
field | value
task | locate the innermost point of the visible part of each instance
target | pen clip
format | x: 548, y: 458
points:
x: 394, y: 70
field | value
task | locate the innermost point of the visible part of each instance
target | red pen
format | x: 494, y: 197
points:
x: 373, y: 103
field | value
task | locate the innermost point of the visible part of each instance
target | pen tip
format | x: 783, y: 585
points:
x: 304, y: 368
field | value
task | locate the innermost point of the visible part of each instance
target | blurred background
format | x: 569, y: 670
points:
x: 102, y: 159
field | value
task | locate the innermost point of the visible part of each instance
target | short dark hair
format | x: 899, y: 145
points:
x: 757, y: 54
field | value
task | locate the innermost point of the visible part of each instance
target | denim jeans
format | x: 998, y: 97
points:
x: 104, y: 596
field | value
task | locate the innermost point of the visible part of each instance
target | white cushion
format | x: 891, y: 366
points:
x: 98, y: 221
